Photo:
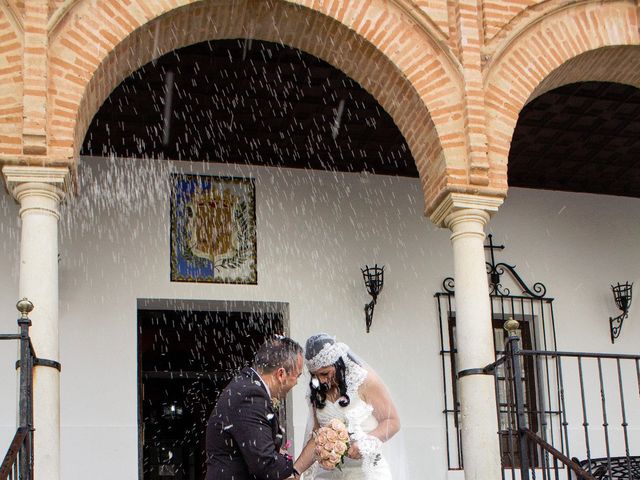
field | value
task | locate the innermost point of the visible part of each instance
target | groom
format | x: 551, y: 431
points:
x: 244, y: 437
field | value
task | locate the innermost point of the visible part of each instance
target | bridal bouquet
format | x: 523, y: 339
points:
x: 332, y: 443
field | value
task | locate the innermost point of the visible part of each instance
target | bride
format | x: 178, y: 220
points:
x: 344, y: 388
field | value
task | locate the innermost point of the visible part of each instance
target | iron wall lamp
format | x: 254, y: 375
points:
x: 373, y: 280
x: 622, y: 297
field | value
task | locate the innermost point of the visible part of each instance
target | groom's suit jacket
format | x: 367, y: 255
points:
x: 244, y: 435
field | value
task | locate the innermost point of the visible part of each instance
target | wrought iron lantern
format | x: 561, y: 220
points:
x: 373, y: 280
x: 622, y: 297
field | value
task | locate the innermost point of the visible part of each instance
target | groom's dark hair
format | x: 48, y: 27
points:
x: 277, y: 352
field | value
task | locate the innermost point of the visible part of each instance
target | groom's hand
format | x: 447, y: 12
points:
x: 354, y: 451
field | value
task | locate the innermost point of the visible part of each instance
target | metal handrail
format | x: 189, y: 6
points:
x: 528, y: 440
x: 553, y: 353
x: 581, y: 473
x: 10, y: 461
x: 18, y: 462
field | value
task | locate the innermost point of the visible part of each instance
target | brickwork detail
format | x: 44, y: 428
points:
x: 34, y: 135
x: 436, y: 10
x: 17, y: 6
x: 521, y: 65
x: 498, y: 13
x: 392, y: 57
x: 468, y: 42
x: 54, y: 6
x: 611, y: 64
x: 11, y: 46
x: 453, y: 74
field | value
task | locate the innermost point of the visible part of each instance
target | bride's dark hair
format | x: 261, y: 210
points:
x: 319, y: 392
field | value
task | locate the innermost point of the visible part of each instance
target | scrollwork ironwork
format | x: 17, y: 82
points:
x: 448, y: 285
x: 538, y: 290
x: 616, y: 325
x: 495, y: 287
x: 495, y: 271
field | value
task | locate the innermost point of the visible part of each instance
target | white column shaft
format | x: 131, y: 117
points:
x: 39, y: 283
x: 39, y: 191
x: 39, y: 263
x: 474, y: 343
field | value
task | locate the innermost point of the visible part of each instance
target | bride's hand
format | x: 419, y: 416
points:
x: 354, y: 451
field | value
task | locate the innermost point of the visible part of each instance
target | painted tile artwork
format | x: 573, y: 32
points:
x: 213, y: 229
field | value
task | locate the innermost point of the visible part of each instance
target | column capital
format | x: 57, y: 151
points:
x: 20, y: 178
x: 459, y: 202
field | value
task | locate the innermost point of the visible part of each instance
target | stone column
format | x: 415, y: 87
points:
x: 466, y: 216
x: 39, y: 191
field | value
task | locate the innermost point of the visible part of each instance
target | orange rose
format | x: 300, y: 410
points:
x: 336, y: 424
x: 330, y: 446
x: 327, y: 464
x: 321, y: 437
x: 324, y: 454
x: 332, y: 435
x: 340, y: 448
x: 343, y: 435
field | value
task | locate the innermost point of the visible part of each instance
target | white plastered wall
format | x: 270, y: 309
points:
x: 315, y: 230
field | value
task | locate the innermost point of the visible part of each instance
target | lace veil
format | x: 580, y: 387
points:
x: 322, y: 350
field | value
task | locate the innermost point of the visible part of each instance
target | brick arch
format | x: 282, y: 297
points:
x: 607, y: 64
x: 11, y: 82
x: 565, y: 46
x: 97, y: 44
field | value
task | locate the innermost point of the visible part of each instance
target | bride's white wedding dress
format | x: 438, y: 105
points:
x: 359, y: 419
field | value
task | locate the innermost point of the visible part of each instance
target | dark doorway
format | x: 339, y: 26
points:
x: 185, y: 359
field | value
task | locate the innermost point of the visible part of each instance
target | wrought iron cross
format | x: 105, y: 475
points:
x: 494, y: 275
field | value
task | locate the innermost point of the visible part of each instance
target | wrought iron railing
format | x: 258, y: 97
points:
x: 557, y: 458
x: 18, y: 461
x: 511, y: 297
x: 587, y: 425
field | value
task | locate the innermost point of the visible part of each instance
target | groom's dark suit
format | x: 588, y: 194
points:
x: 243, y: 434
